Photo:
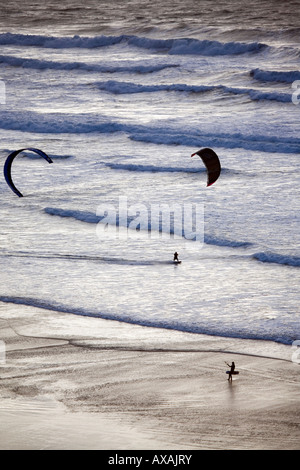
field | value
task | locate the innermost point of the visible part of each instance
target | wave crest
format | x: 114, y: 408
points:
x: 167, y: 134
x: 269, y: 257
x: 119, y: 88
x: 275, y: 76
x: 184, y: 46
x: 101, y: 68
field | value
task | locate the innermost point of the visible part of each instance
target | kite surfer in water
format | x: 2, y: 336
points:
x: 176, y: 256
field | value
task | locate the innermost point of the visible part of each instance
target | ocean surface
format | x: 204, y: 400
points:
x: 119, y: 95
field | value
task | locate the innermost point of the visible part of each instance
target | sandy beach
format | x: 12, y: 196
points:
x: 96, y: 384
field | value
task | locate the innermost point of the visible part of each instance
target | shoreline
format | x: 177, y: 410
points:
x: 84, y: 383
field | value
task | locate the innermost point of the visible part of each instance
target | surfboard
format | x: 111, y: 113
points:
x: 176, y: 262
x: 236, y: 372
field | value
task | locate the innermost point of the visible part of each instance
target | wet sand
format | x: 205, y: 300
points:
x: 70, y: 382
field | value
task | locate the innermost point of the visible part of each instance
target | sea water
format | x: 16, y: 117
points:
x: 120, y: 95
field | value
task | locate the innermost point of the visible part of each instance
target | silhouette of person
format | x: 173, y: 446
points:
x: 232, y: 367
x: 176, y: 256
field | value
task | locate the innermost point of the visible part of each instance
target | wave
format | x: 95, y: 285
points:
x: 59, y: 123
x: 91, y: 218
x: 117, y: 87
x: 139, y: 168
x: 152, y: 168
x: 262, y: 143
x: 189, y: 46
x: 258, y: 95
x: 217, y: 241
x: 275, y: 76
x: 120, y: 220
x: 83, y: 216
x: 56, y: 123
x: 269, y: 257
x: 82, y: 66
x: 34, y: 156
x: 184, y: 46
x: 213, y: 329
x: 54, y: 42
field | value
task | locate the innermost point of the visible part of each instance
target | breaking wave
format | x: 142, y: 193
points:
x: 187, y: 46
x: 203, y: 327
x: 118, y: 88
x: 268, y: 257
x: 152, y: 168
x: 52, y: 123
x: 275, y: 76
x: 169, y: 136
x: 184, y: 46
x: 92, y: 218
x: 82, y: 66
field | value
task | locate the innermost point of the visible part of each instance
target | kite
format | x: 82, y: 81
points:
x: 212, y: 163
x: 8, y: 165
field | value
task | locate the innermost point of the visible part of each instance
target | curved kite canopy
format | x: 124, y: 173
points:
x: 8, y: 164
x: 212, y: 163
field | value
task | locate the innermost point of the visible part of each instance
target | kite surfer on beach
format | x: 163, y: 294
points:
x: 232, y: 367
